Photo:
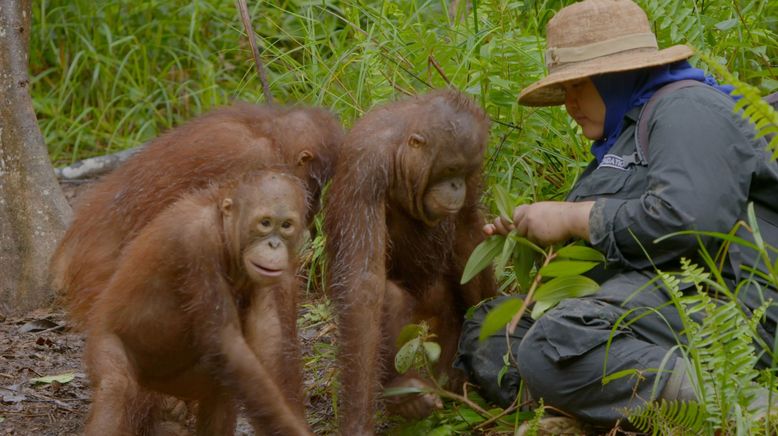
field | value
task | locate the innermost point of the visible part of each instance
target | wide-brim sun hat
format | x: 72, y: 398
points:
x: 594, y: 37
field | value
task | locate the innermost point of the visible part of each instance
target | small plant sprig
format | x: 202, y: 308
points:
x: 419, y: 352
x: 558, y: 277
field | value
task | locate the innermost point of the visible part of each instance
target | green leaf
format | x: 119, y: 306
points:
x: 726, y: 24
x: 527, y: 242
x: 499, y: 316
x: 403, y: 360
x: 523, y: 261
x: 409, y: 332
x: 60, y: 378
x: 755, y: 227
x: 506, y: 365
x: 557, y: 289
x: 503, y: 201
x: 469, y: 415
x: 542, y: 307
x: 579, y: 252
x: 561, y: 268
x: 404, y: 390
x: 723, y: 236
x: 620, y: 374
x: 507, y: 251
x: 432, y: 349
x: 482, y: 256
x: 443, y: 430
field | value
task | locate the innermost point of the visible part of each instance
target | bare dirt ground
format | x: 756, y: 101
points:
x: 35, y: 346
x: 39, y: 344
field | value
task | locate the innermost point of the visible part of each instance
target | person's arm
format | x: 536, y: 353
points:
x: 546, y: 222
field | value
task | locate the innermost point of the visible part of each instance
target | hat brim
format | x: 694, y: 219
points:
x: 548, y: 91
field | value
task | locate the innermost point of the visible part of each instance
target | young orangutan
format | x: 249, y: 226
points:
x: 402, y: 217
x: 217, y: 146
x: 202, y: 306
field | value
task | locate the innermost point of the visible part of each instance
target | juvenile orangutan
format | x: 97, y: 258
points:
x: 214, y: 147
x: 202, y: 306
x: 402, y: 218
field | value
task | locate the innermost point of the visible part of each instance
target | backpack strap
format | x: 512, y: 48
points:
x: 641, y: 130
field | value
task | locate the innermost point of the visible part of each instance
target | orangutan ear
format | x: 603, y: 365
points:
x: 416, y: 140
x: 304, y: 157
x: 226, y: 207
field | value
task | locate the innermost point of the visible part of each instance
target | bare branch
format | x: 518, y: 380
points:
x: 246, y: 19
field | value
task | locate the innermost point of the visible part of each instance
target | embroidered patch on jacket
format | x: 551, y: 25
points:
x: 613, y: 161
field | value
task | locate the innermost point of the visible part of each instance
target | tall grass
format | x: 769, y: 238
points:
x: 109, y: 75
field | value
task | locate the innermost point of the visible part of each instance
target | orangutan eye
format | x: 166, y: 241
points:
x: 265, y: 222
x: 286, y: 224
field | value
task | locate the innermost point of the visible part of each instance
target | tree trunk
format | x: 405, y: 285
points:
x: 33, y: 210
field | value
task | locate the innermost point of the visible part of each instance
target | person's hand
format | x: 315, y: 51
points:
x: 546, y: 222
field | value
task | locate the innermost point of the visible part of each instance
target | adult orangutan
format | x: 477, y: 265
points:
x: 226, y: 142
x: 402, y: 217
x: 202, y: 306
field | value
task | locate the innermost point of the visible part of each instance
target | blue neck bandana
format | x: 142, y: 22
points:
x: 626, y: 90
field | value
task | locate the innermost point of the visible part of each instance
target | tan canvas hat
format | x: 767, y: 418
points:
x: 594, y: 37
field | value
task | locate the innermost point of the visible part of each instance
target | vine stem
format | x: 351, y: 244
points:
x: 463, y: 399
x: 494, y: 418
x: 528, y: 300
x: 511, y: 327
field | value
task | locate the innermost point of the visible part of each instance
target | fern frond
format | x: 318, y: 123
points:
x: 691, y: 273
x: 678, y: 21
x: 725, y: 349
x: 669, y: 417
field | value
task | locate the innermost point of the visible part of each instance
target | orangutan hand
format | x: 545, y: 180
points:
x: 546, y: 222
x: 413, y: 406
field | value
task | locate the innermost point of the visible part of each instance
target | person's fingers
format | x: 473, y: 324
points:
x: 506, y: 223
x: 503, y: 225
x: 519, y: 212
x: 495, y: 228
x: 520, y: 220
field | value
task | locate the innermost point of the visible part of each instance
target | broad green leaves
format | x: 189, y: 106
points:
x: 578, y: 252
x: 499, y: 316
x: 559, y: 288
x: 482, y: 256
x: 410, y: 355
x: 515, y: 248
x: 503, y: 200
x: 563, y: 268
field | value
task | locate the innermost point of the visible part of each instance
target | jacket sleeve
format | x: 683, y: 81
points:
x: 700, y: 163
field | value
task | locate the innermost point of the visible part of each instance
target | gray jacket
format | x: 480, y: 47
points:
x: 705, y: 166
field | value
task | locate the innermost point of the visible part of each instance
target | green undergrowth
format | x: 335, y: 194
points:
x: 112, y: 74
